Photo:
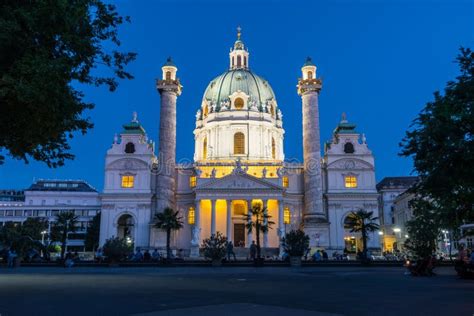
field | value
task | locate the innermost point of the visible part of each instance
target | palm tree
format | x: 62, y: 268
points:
x: 258, y: 218
x: 66, y: 222
x: 363, y: 222
x: 168, y: 220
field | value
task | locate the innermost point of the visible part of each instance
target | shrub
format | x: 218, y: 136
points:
x: 214, y: 248
x: 116, y: 249
x: 295, y: 243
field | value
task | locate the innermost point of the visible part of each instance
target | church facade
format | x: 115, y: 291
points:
x: 238, y: 161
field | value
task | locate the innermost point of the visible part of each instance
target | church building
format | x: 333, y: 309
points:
x: 239, y: 160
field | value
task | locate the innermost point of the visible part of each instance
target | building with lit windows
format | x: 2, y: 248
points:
x: 391, y: 190
x: 238, y: 161
x: 46, y: 199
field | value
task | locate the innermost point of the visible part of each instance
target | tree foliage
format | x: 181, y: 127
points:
x: 66, y: 222
x: 423, y: 229
x: 214, y: 247
x: 47, y: 48
x: 441, y: 143
x: 116, y: 249
x: 24, y: 237
x: 295, y: 243
x: 91, y: 241
x: 362, y: 222
x: 168, y: 220
x: 258, y: 219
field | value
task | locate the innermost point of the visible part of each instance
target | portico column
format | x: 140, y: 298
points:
x: 249, y: 212
x: 229, y: 220
x: 265, y: 222
x: 213, y: 217
x: 281, y: 225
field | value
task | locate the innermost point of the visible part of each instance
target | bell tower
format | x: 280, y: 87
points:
x: 315, y: 220
x: 169, y: 88
x: 239, y: 55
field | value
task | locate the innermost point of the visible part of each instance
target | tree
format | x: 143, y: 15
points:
x: 47, y: 50
x: 295, y: 243
x: 441, y: 143
x: 258, y: 219
x: 215, y: 247
x: 168, y: 220
x: 91, y: 241
x: 34, y: 227
x: 25, y: 237
x: 66, y: 222
x: 116, y: 249
x: 423, y: 230
x: 364, y: 223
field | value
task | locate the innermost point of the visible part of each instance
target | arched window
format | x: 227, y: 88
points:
x: 129, y: 148
x: 349, y: 148
x: 239, y: 61
x: 272, y: 111
x: 245, y: 61
x: 239, y: 103
x: 233, y: 61
x: 273, y: 148
x: 204, y: 148
x: 168, y: 75
x: 206, y: 111
x: 310, y: 75
x: 239, y: 143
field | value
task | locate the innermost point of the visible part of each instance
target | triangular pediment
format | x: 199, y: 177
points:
x: 238, y: 182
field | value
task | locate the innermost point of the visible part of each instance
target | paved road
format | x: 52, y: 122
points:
x: 232, y: 291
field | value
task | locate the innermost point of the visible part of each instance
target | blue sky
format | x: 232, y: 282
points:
x: 380, y: 62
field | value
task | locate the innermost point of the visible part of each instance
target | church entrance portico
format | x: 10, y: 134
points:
x: 221, y: 205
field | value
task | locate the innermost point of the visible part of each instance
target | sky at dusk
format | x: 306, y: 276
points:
x: 380, y: 62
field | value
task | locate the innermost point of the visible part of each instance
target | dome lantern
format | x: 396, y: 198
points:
x: 239, y: 55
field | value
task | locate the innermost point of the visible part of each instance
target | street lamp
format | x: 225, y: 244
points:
x: 44, y: 232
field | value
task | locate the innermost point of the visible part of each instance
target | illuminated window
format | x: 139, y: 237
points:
x: 206, y: 111
x: 273, y: 148
x: 191, y: 216
x: 350, y: 182
x: 192, y: 181
x: 127, y: 181
x: 239, y: 143
x: 310, y: 75
x: 286, y: 182
x: 239, y: 103
x: 204, y: 148
x: 286, y: 215
x: 168, y: 75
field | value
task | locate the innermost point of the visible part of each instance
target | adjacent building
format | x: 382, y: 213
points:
x: 392, y: 193
x: 47, y: 198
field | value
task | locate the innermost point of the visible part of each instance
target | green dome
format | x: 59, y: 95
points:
x: 221, y: 87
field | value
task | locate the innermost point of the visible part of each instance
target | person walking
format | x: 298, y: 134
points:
x: 230, y: 251
x: 11, y: 258
x: 253, y: 250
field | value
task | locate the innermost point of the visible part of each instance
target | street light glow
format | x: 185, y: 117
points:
x: 397, y: 230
